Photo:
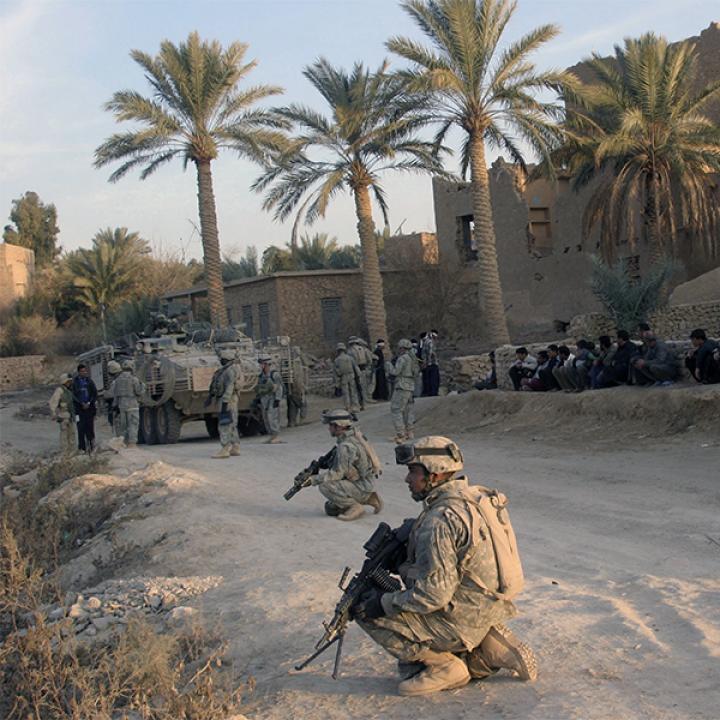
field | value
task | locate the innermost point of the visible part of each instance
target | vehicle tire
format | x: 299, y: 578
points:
x: 168, y: 423
x: 147, y: 433
x: 211, y: 425
x: 251, y: 424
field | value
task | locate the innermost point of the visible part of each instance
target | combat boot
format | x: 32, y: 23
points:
x: 375, y: 502
x: 273, y: 440
x: 235, y: 449
x: 352, y: 513
x: 223, y: 453
x: 406, y: 670
x: 502, y: 649
x: 443, y: 671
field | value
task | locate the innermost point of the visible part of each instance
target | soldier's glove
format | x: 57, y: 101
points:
x: 368, y: 606
x: 276, y: 403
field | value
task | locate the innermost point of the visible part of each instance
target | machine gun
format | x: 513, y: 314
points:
x: 384, y: 552
x: 302, y: 479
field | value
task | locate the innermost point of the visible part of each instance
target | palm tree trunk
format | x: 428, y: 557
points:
x: 211, y: 244
x: 652, y: 215
x: 490, y: 290
x: 371, y: 278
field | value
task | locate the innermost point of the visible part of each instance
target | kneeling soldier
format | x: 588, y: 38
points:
x: 350, y: 482
x: 445, y: 626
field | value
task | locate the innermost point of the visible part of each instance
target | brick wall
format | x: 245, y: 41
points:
x: 20, y: 372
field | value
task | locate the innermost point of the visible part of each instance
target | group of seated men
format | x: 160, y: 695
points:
x: 609, y: 363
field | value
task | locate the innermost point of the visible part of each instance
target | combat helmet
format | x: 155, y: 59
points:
x: 435, y: 453
x: 128, y: 365
x: 337, y: 417
x: 341, y: 346
x: 65, y: 377
x: 226, y: 354
x: 404, y: 344
x: 113, y: 367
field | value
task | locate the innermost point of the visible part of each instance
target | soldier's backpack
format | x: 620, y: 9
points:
x: 217, y: 384
x: 492, y: 506
x: 372, y: 455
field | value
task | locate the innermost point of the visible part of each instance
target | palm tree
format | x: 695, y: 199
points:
x: 196, y: 110
x: 373, y: 128
x: 641, y: 133
x: 490, y: 95
x: 314, y: 252
x: 107, y: 274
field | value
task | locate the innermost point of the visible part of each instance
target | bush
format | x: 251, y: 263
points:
x: 31, y: 335
x: 626, y: 300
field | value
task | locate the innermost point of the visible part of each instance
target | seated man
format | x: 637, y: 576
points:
x: 560, y: 371
x: 656, y: 366
x: 490, y: 380
x: 616, y: 365
x: 702, y: 361
x: 446, y: 625
x: 604, y: 357
x: 536, y: 382
x: 523, y: 367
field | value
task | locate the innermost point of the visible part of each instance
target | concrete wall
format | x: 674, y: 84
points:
x: 17, y: 266
x: 20, y: 372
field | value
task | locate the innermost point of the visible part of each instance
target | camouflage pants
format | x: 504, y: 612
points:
x: 370, y: 381
x: 128, y: 424
x: 407, y: 635
x: 343, y: 493
x: 229, y: 433
x: 67, y: 436
x: 271, y: 414
x: 402, y: 411
x: 349, y: 393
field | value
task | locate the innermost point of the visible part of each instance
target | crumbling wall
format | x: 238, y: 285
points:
x: 20, y: 372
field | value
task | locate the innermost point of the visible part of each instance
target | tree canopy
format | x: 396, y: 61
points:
x: 35, y: 228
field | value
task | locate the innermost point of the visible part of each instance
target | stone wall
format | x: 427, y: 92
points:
x: 17, y: 265
x: 20, y: 372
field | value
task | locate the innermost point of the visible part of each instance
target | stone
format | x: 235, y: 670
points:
x: 56, y: 614
x: 154, y: 601
x: 77, y: 612
x: 91, y: 630
x: 103, y: 623
x: 93, y: 603
x: 180, y: 616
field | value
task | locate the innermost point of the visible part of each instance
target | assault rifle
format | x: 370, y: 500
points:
x: 384, y: 552
x: 302, y: 479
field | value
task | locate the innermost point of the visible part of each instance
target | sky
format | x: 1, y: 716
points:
x: 61, y: 60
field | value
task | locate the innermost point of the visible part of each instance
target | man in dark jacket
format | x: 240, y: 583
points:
x: 700, y: 361
x: 656, y: 366
x: 85, y: 399
x: 615, y: 369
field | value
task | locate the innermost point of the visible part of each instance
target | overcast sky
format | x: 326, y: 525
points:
x: 60, y: 60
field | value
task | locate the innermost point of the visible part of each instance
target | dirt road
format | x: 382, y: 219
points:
x: 621, y: 547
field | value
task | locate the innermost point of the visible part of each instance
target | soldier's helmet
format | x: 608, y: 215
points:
x: 65, y: 377
x: 341, y: 346
x: 226, y: 354
x: 353, y: 340
x: 128, y: 365
x: 264, y: 358
x: 435, y: 453
x: 337, y: 417
x: 404, y: 344
x: 113, y: 367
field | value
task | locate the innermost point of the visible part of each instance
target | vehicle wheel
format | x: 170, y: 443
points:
x: 147, y: 432
x: 168, y: 423
x: 251, y: 424
x: 211, y: 425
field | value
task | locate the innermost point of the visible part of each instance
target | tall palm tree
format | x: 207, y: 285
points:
x: 195, y: 111
x: 490, y: 95
x: 107, y: 274
x: 372, y: 128
x: 641, y: 132
x: 314, y: 252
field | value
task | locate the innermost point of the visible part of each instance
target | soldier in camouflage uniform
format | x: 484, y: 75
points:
x: 445, y: 626
x: 362, y: 356
x: 228, y: 418
x: 269, y: 391
x: 404, y: 373
x: 127, y: 391
x: 346, y: 372
x: 350, y: 482
x: 62, y: 411
x: 113, y: 415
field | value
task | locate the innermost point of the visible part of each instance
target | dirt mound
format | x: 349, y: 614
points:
x: 655, y: 412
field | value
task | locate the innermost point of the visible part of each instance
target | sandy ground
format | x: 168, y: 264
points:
x: 619, y: 534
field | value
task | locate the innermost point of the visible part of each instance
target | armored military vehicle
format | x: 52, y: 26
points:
x: 177, y: 370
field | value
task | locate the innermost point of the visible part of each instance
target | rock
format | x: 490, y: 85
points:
x: 57, y: 614
x: 77, y: 612
x: 180, y: 616
x: 11, y: 492
x: 91, y: 630
x: 153, y: 601
x: 93, y: 603
x: 103, y: 623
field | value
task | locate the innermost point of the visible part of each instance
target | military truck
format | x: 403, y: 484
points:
x: 177, y: 369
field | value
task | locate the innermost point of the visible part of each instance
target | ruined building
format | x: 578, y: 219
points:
x: 544, y: 260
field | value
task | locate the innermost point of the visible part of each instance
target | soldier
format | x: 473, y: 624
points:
x: 445, y: 626
x: 269, y: 391
x: 350, y: 482
x: 224, y: 383
x: 346, y: 372
x: 405, y: 373
x: 127, y: 391
x: 62, y: 411
x: 295, y: 391
x: 360, y: 352
x: 113, y: 414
